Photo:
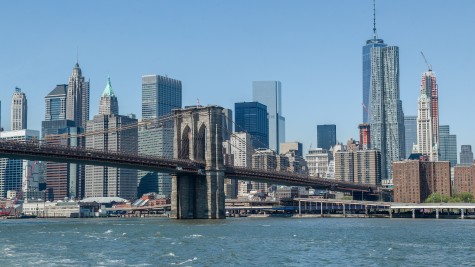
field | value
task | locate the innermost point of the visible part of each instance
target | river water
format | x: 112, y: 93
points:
x: 237, y: 242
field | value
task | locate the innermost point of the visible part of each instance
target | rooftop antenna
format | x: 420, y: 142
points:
x: 429, y: 66
x: 374, y: 19
x: 77, y: 54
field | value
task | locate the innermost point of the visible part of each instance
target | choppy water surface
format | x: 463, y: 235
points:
x: 237, y: 242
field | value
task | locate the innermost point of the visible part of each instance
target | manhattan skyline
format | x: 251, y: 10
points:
x: 218, y: 49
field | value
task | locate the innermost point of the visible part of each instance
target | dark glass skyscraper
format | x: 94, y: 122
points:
x: 252, y: 117
x: 326, y: 136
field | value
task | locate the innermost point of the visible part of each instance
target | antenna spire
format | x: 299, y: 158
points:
x: 77, y: 55
x: 374, y: 19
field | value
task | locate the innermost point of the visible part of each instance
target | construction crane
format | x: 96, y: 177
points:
x: 429, y: 66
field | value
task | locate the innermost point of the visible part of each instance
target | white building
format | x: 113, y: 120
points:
x: 241, y: 149
x: 317, y: 162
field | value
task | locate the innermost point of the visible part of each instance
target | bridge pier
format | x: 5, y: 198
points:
x: 198, y: 136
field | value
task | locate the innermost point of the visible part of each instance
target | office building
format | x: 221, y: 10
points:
x: 425, y: 137
x: 107, y: 181
x: 241, y: 149
x: 386, y: 115
x: 155, y: 141
x: 430, y: 89
x: 269, y: 93
x: 368, y: 62
x: 19, y: 114
x: 160, y: 95
x: 21, y: 176
x: 415, y: 180
x: 292, y: 146
x: 410, y: 133
x: 464, y: 179
x: 55, y: 103
x: 108, y: 103
x: 326, y: 136
x: 317, y: 162
x: 447, y: 145
x: 77, y: 98
x: 466, y: 155
x: 62, y: 179
x: 251, y: 117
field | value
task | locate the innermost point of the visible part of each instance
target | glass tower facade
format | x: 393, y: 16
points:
x: 269, y: 93
x: 410, y: 129
x: 160, y: 95
x: 466, y: 155
x: 372, y: 43
x: 251, y: 117
x: 55, y: 103
x: 326, y: 136
x: 448, y: 145
x: 386, y: 114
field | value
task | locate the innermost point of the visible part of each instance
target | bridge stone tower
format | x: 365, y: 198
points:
x: 198, y: 136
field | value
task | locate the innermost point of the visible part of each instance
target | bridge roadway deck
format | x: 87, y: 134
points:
x: 44, y: 152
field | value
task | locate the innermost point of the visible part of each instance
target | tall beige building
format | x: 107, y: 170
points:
x: 77, y: 100
x: 107, y: 181
x: 19, y: 114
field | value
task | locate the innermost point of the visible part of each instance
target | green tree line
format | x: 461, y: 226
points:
x: 456, y: 198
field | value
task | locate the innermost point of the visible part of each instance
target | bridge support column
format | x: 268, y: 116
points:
x: 462, y: 214
x: 437, y: 213
x: 413, y: 213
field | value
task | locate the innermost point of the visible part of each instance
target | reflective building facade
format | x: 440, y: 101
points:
x: 386, y: 114
x: 448, y: 145
x: 251, y: 117
x: 269, y: 93
x: 410, y: 130
x: 160, y: 95
x: 326, y: 136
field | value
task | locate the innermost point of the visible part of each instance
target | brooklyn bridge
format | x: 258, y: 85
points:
x: 197, y: 167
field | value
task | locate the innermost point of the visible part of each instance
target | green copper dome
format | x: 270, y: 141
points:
x: 108, y: 91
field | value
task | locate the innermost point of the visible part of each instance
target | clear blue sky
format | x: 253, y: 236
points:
x: 217, y: 48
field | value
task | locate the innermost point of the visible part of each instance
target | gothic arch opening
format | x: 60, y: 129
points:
x: 200, y: 144
x: 185, y: 143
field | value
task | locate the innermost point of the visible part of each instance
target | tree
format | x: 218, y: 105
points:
x: 437, y: 197
x: 464, y: 197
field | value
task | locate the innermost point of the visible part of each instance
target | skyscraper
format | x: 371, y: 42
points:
x: 107, y: 181
x: 159, y: 96
x: 326, y: 136
x: 269, y: 93
x: 17, y: 174
x: 108, y: 104
x: 410, y: 133
x: 251, y: 117
x: 19, y: 113
x: 387, y: 118
x: 367, y: 66
x: 425, y: 141
x: 77, y: 101
x: 430, y: 88
x: 447, y: 145
x: 62, y: 179
x: 466, y: 155
x: 55, y: 103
